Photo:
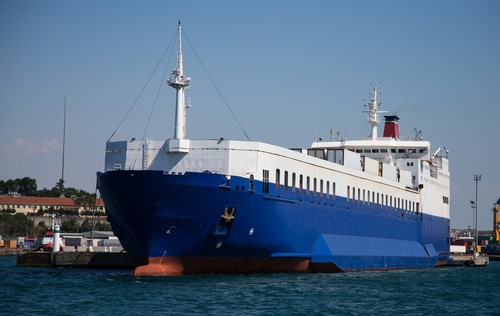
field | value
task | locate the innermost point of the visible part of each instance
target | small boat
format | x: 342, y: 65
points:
x: 478, y: 260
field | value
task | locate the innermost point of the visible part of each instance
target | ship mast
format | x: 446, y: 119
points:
x: 179, y: 83
x: 373, y: 113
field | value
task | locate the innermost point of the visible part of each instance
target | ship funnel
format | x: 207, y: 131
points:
x: 391, y: 128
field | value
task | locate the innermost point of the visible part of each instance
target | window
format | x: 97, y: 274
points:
x: 327, y: 191
x: 318, y: 153
x: 301, y: 183
x: 277, y: 178
x: 293, y: 182
x: 321, y: 188
x: 286, y: 180
x: 445, y: 200
x: 265, y: 181
x: 251, y: 183
x: 315, y: 186
x: 333, y: 190
x: 348, y: 193
x: 308, y: 184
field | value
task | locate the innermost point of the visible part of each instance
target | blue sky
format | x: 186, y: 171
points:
x: 289, y: 70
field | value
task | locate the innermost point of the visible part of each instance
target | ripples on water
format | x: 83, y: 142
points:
x: 49, y: 291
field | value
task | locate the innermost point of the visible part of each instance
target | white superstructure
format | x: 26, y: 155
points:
x: 384, y: 170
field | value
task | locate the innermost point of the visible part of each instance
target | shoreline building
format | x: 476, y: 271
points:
x: 32, y: 205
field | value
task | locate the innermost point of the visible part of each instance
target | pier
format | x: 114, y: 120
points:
x: 123, y: 260
x: 96, y: 260
x: 463, y: 259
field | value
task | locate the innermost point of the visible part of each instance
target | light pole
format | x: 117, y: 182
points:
x: 477, y: 178
x: 473, y: 206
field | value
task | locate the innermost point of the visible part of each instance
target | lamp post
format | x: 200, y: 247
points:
x: 477, y: 178
x: 473, y: 206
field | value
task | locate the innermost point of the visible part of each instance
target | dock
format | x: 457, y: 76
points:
x: 123, y: 260
x: 95, y: 260
x: 463, y: 259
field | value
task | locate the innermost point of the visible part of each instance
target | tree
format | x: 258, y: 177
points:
x: 40, y: 229
x: 84, y: 200
x: 104, y: 226
x: 8, y: 211
x: 15, y: 225
x: 60, y: 187
x: 26, y: 186
x: 70, y: 226
x: 86, y: 225
x: 9, y: 186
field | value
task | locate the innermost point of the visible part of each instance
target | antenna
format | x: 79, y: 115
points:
x: 64, y: 144
x: 373, y: 113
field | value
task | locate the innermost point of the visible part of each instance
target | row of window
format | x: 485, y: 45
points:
x: 327, y: 188
x: 36, y: 207
x: 393, y: 150
x: 320, y: 187
x: 385, y: 200
x: 8, y: 206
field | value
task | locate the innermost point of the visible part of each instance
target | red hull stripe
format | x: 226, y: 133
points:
x: 175, y: 266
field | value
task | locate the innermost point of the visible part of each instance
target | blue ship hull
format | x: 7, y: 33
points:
x: 204, y: 223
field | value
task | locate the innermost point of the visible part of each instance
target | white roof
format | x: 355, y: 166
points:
x: 379, y: 143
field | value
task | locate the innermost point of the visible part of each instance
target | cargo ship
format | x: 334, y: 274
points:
x: 238, y: 206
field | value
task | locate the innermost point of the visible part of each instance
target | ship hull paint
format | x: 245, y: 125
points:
x: 177, y: 222
x: 175, y: 266
x: 330, y: 254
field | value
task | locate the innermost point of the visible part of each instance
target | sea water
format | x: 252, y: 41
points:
x: 70, y: 291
